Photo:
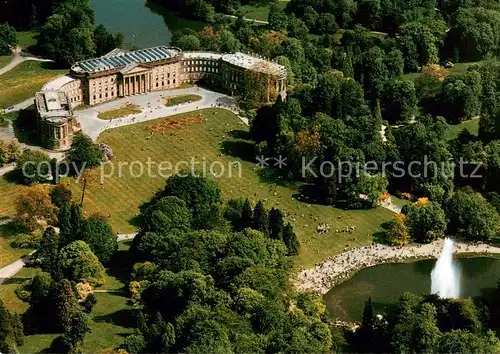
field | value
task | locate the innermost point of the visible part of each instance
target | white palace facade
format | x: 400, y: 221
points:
x: 122, y: 73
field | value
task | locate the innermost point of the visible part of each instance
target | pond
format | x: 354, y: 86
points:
x: 142, y: 23
x: 385, y: 283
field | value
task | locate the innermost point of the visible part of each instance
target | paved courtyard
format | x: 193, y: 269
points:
x: 153, y: 107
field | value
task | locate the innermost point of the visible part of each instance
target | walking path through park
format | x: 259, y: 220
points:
x: 19, y: 58
x: 153, y: 106
x: 248, y: 19
x: 12, y: 269
x: 334, y: 270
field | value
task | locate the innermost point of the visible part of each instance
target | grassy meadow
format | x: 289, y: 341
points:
x: 181, y: 99
x: 22, y: 82
x: 120, y: 112
x: 220, y: 137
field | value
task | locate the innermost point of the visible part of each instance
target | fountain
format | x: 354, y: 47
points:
x: 445, y: 277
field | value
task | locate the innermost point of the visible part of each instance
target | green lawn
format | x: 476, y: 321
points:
x: 112, y: 320
x: 112, y: 317
x: 7, y: 295
x: 24, y: 81
x: 218, y: 138
x: 9, y: 254
x: 453, y: 130
x: 181, y: 99
x: 26, y: 39
x: 259, y: 10
x: 5, y: 59
x: 120, y: 112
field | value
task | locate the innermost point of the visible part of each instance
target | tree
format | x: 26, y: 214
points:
x: 276, y: 224
x: 418, y: 45
x: 9, y: 151
x: 74, y: 323
x: 397, y: 233
x: 34, y: 206
x: 290, y: 240
x: 78, y: 263
x: 8, y: 39
x: 202, y: 197
x: 166, y: 214
x: 461, y: 95
x: 105, y: 41
x: 471, y: 216
x: 11, y: 330
x: 84, y: 153
x: 99, y: 235
x: 33, y: 167
x: 399, y: 101
x: 60, y: 195
x: 260, y: 218
x: 48, y: 251
x: 188, y: 42
x: 68, y: 35
x: 277, y: 18
x: 426, y: 222
x: 461, y: 341
x: 473, y: 34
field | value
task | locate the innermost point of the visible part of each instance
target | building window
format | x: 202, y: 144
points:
x: 168, y: 82
x: 174, y: 81
x: 94, y: 97
x: 100, y: 95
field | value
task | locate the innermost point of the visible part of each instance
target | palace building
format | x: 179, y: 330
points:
x: 122, y: 73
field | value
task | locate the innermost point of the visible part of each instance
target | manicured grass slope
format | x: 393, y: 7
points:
x: 4, y: 60
x: 120, y: 197
x: 259, y: 10
x: 9, y: 254
x: 181, y: 99
x: 24, y: 81
x: 120, y: 112
x: 471, y: 125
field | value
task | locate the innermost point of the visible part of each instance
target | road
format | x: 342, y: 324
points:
x: 18, y: 59
x: 153, y: 107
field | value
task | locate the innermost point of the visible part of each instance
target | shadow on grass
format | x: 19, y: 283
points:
x: 275, y: 176
x: 240, y: 134
x: 134, y: 221
x: 25, y: 127
x: 123, y: 318
x: 12, y: 229
x: 121, y: 265
x: 16, y: 280
x: 239, y: 149
x: 380, y: 236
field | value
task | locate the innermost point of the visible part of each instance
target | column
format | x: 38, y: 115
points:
x: 125, y: 86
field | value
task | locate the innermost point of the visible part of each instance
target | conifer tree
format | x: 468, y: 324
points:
x: 246, y: 215
x: 290, y: 240
x: 276, y: 224
x: 261, y: 218
x: 48, y: 250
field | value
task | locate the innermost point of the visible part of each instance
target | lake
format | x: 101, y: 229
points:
x: 385, y: 283
x: 142, y: 24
